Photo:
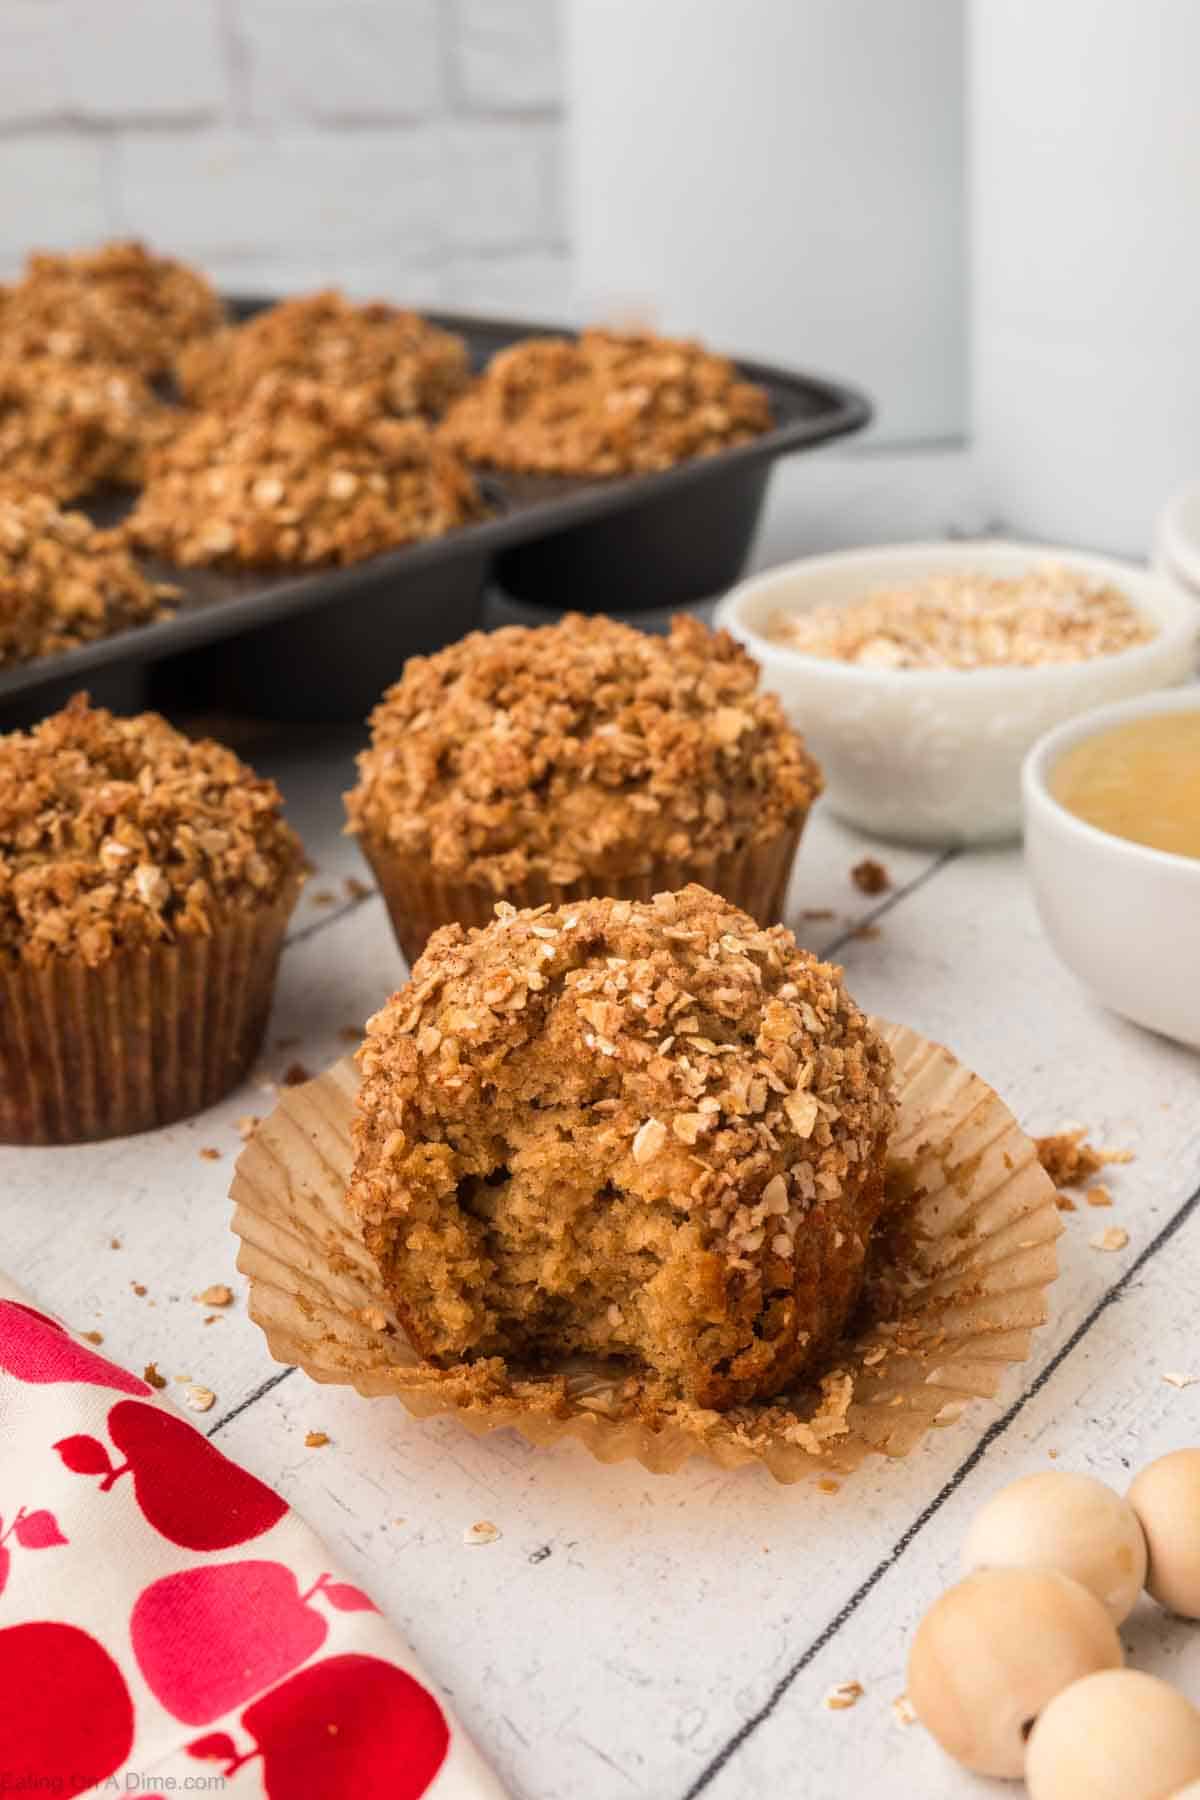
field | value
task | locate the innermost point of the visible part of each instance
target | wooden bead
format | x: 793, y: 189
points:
x: 1166, y: 1498
x: 1060, y: 1520
x: 1117, y: 1735
x: 994, y: 1650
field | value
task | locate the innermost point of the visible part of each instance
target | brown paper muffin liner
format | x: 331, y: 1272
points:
x: 149, y: 1036
x: 418, y: 902
x: 959, y: 1281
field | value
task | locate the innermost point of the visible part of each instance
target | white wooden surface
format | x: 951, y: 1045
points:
x: 664, y: 1637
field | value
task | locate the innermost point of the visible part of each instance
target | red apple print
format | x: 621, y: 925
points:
x: 185, y: 1487
x: 66, y: 1719
x: 33, y: 1531
x: 207, y: 1639
x: 36, y: 1349
x: 348, y: 1728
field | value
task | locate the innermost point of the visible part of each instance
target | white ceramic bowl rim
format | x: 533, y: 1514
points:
x: 1174, y: 613
x: 1178, y: 536
x: 1040, y: 760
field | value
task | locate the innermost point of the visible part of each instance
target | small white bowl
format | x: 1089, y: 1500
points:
x: 934, y: 756
x: 1177, y: 538
x: 1124, y: 918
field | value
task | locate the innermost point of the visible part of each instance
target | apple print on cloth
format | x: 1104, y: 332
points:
x: 184, y: 1486
x: 143, y: 1646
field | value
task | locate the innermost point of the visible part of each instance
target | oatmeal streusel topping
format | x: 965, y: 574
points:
x: 118, y: 304
x: 302, y: 474
x: 67, y: 429
x: 581, y: 747
x: 966, y: 620
x: 624, y: 1123
x: 413, y: 366
x: 117, y: 833
x: 604, y: 404
x: 63, y: 582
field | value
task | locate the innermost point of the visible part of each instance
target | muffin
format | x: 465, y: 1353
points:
x: 544, y: 765
x: 145, y: 884
x: 303, y: 474
x: 415, y: 367
x: 118, y: 304
x: 68, y: 430
x: 650, y: 1131
x: 64, y: 582
x: 605, y: 403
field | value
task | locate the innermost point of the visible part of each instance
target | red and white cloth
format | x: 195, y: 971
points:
x: 163, y: 1613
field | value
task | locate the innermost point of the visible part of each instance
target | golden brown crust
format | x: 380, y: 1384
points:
x: 413, y: 366
x: 302, y: 474
x: 606, y: 403
x: 115, y: 833
x: 579, y: 749
x: 652, y: 1131
x: 64, y: 583
x: 118, y: 304
x: 66, y: 428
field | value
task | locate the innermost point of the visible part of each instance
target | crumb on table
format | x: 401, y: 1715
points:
x: 219, y: 1294
x: 870, y: 877
x: 1069, y: 1160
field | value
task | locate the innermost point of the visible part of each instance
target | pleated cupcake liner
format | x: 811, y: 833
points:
x: 970, y: 1258
x: 149, y: 1036
x: 419, y: 901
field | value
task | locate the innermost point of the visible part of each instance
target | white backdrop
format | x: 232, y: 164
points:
x: 786, y: 178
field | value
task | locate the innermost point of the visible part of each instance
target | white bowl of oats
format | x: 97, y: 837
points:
x: 920, y: 674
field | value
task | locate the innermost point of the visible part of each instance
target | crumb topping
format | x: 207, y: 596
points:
x: 120, y: 833
x: 606, y: 403
x: 303, y: 474
x: 655, y: 1106
x: 579, y: 748
x: 967, y: 620
x: 118, y: 304
x: 67, y: 428
x: 414, y: 367
x: 65, y: 583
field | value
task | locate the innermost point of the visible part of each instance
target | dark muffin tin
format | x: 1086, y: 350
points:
x: 322, y: 644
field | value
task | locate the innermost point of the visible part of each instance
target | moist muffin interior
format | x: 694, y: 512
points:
x: 582, y: 749
x: 653, y: 1132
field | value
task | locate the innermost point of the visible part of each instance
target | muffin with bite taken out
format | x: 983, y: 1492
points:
x: 652, y: 1131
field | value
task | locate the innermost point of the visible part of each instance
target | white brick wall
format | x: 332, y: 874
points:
x: 410, y: 148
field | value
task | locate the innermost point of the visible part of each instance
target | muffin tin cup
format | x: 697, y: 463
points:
x: 754, y: 878
x: 969, y: 1259
x: 150, y: 1036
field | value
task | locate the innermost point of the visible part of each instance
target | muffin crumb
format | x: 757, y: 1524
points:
x: 870, y: 877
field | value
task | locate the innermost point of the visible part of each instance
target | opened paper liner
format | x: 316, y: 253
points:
x: 959, y: 1277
